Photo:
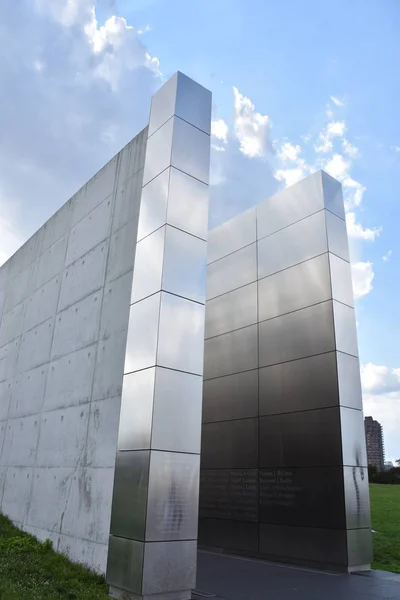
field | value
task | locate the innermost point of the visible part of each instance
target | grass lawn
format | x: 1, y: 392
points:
x: 385, y: 509
x: 30, y: 570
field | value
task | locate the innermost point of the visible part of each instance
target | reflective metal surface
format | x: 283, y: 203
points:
x: 169, y: 567
x: 177, y: 411
x: 283, y: 458
x: 136, y: 410
x: 191, y: 150
x: 188, y: 204
x: 193, y: 103
x: 292, y: 245
x: 231, y: 353
x: 141, y: 346
x: 232, y: 272
x: 148, y: 270
x: 296, y: 335
x: 173, y: 496
x: 125, y: 564
x: 181, y: 334
x: 232, y: 311
x: 310, y: 279
x: 158, y: 151
x: 345, y: 328
x: 184, y: 269
x: 129, y: 504
x: 232, y: 235
x: 153, y: 206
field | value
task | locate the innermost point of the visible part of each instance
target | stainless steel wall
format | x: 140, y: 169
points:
x: 153, y: 541
x: 283, y: 463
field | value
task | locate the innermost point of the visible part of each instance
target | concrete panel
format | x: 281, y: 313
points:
x: 2, y: 300
x: 18, y: 289
x: 8, y: 359
x: 51, y: 488
x: 127, y: 201
x: 85, y: 552
x: 89, y: 232
x: 17, y: 492
x: 109, y: 367
x: 24, y: 256
x: 62, y: 440
x: 122, y: 251
x: 28, y: 392
x: 132, y: 156
x: 49, y: 264
x: 70, y: 379
x: 115, y: 311
x: 5, y: 395
x: 4, y: 274
x: 89, y: 507
x: 42, y: 304
x: 96, y: 190
x: 77, y: 326
x: 20, y: 442
x: 3, y: 471
x: 59, y: 224
x: 35, y: 346
x: 103, y: 432
x: 84, y: 276
x: 11, y: 324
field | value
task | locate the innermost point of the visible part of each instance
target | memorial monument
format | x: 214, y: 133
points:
x: 102, y: 316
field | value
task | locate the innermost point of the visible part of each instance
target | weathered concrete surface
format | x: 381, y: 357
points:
x: 64, y: 307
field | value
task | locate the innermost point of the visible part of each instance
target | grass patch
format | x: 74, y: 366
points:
x: 385, y: 510
x: 30, y: 570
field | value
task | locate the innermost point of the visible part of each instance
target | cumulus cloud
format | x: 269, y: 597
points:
x: 89, y: 87
x: 252, y: 129
x: 381, y: 397
x: 332, y: 130
x: 356, y: 230
x: 219, y: 133
x: 362, y: 276
x: 349, y: 149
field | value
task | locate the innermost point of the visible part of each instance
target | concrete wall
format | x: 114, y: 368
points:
x: 64, y: 309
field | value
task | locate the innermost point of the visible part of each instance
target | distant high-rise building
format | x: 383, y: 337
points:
x: 374, y: 439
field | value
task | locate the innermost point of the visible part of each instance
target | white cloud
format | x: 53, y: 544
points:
x: 289, y: 152
x: 144, y: 30
x: 387, y: 256
x: 220, y: 130
x: 362, y: 275
x: 337, y: 101
x: 338, y: 167
x: 289, y: 176
x: 356, y: 230
x: 379, y: 379
x: 252, y: 129
x: 332, y: 130
x: 349, y: 149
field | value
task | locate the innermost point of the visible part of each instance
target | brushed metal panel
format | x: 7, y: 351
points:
x: 231, y: 397
x: 349, y: 381
x: 229, y: 535
x: 232, y: 235
x: 177, y: 411
x: 304, y: 439
x: 325, y: 547
x: 333, y: 195
x: 148, y: 269
x: 184, y: 271
x: 141, y: 347
x: 353, y: 437
x: 231, y: 353
x: 188, y: 204
x: 136, y: 410
x: 290, y: 205
x: 296, y: 335
x: 345, y: 328
x: 173, y: 500
x: 308, y: 497
x: 190, y: 150
x: 294, y: 288
x: 230, y: 444
x: 229, y: 494
x: 125, y: 564
x: 337, y: 236
x: 169, y: 567
x: 294, y: 244
x: 297, y: 385
x: 356, y: 490
x: 342, y: 286
x: 158, y: 151
x: 359, y: 547
x: 163, y: 104
x: 193, y: 103
x: 153, y: 205
x: 231, y: 272
x: 231, y: 311
x: 129, y: 503
x: 181, y: 334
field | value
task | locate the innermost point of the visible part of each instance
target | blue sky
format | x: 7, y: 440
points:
x: 296, y: 86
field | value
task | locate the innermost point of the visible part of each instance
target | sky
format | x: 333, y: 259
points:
x: 297, y: 86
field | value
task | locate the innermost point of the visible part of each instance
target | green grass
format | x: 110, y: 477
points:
x: 30, y: 570
x: 385, y: 509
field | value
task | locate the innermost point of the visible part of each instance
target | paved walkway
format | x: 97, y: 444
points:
x: 237, y: 578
